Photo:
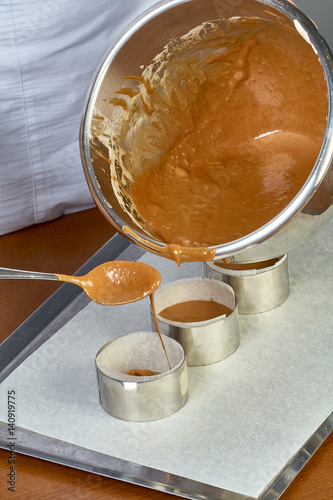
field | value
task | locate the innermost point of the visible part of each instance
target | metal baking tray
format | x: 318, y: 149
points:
x: 63, y: 305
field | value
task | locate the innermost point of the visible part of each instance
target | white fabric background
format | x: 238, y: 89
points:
x: 321, y: 12
x: 49, y: 50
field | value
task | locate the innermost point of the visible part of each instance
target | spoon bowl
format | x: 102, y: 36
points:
x: 112, y: 283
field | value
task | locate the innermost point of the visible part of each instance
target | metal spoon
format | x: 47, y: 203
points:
x: 111, y: 283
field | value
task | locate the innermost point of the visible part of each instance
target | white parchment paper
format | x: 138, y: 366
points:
x: 245, y: 417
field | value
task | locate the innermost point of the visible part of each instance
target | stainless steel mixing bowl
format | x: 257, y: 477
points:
x: 136, y: 47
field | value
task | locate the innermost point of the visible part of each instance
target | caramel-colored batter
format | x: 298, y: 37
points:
x: 174, y: 252
x: 152, y: 303
x: 224, y: 130
x: 136, y: 372
x: 117, y: 282
x: 194, y: 311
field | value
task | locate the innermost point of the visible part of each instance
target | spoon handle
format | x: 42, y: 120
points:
x: 6, y: 273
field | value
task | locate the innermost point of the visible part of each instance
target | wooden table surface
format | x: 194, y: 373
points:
x: 62, y: 246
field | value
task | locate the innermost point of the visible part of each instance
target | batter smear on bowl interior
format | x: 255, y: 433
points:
x: 220, y: 132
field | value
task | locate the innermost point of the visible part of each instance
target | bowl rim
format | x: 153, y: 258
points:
x: 322, y: 164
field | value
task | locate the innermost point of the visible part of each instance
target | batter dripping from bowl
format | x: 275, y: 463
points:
x: 219, y: 133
